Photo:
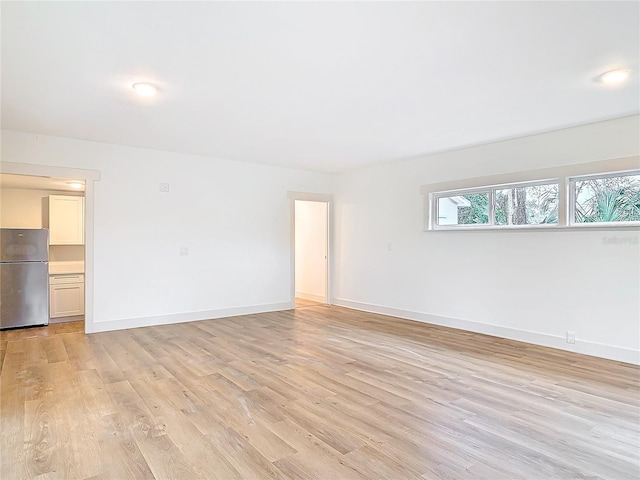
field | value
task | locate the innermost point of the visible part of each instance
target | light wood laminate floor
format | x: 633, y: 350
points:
x: 303, y: 302
x: 320, y: 392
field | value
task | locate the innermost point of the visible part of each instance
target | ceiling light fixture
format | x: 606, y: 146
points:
x: 145, y: 89
x: 75, y: 184
x: 614, y: 76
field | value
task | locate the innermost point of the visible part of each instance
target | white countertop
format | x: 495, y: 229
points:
x: 59, y: 268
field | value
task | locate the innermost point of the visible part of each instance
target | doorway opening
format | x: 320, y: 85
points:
x: 33, y: 205
x: 311, y: 249
x: 61, y: 200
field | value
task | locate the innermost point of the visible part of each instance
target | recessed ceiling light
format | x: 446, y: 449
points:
x: 614, y: 76
x: 75, y: 184
x: 145, y: 89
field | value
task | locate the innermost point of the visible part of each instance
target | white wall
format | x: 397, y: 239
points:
x: 527, y: 285
x: 23, y: 208
x: 311, y: 250
x: 234, y: 218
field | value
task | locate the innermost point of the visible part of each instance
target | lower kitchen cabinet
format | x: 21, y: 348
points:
x: 66, y: 295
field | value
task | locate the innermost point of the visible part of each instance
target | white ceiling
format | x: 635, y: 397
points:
x: 326, y: 86
x: 30, y: 182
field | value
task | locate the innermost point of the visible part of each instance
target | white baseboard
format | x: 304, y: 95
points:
x: 75, y: 318
x: 311, y: 296
x: 125, y: 323
x: 601, y: 350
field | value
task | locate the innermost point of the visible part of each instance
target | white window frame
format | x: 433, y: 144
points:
x: 565, y: 177
x: 491, y: 191
x: 571, y: 189
x: 468, y: 191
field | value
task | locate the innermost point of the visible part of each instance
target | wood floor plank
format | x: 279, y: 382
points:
x: 78, y: 438
x: 12, y: 433
x: 122, y: 445
x: 41, y: 442
x: 164, y: 399
x: 316, y: 392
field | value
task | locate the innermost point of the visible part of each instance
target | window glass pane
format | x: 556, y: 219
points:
x: 529, y: 205
x: 613, y: 199
x: 470, y: 209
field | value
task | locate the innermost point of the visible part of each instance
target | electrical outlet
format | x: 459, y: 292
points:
x: 571, y: 337
x: 164, y: 187
x: 184, y: 250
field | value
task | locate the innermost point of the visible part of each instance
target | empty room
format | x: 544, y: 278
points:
x: 320, y: 240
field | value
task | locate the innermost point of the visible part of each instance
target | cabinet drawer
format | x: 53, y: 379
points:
x: 67, y: 278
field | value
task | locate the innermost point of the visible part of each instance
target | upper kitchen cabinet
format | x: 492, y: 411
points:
x: 66, y: 220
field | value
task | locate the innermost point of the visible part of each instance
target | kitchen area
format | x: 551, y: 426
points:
x: 42, y: 231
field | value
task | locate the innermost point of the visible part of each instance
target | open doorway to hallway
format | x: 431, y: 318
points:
x: 311, y: 225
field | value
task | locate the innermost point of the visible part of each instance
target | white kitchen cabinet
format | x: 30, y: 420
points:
x: 66, y: 220
x: 66, y: 295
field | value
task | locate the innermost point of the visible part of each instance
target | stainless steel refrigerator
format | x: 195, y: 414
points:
x: 24, y: 277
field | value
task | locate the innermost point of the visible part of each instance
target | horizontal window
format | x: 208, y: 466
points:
x: 586, y: 198
x: 606, y: 199
x: 504, y: 205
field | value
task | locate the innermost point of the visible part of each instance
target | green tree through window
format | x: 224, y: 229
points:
x: 478, y: 212
x: 612, y: 199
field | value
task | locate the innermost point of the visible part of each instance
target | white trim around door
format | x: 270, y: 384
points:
x: 310, y: 197
x: 89, y: 176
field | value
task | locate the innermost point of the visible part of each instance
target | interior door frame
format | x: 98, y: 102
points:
x: 89, y: 177
x: 310, y: 197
